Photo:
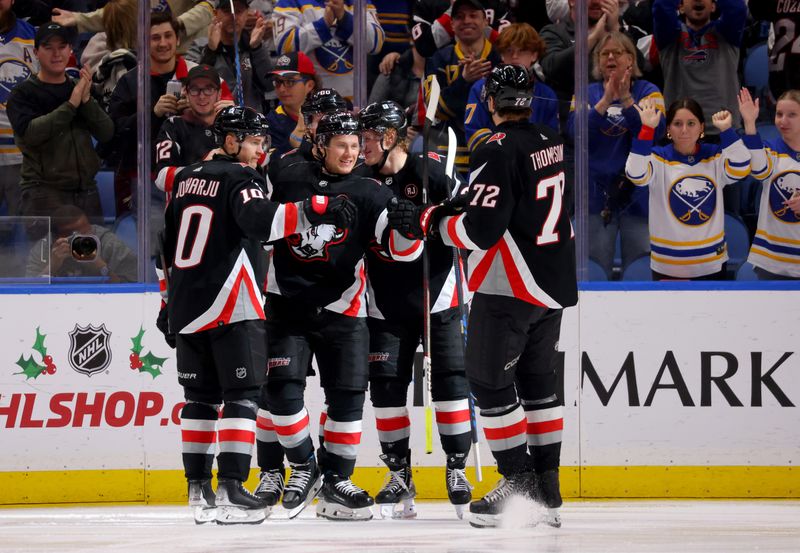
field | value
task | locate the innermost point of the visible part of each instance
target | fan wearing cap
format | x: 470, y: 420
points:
x: 522, y: 273
x: 458, y: 66
x: 294, y: 79
x: 185, y: 139
x: 54, y: 119
x: 323, y: 29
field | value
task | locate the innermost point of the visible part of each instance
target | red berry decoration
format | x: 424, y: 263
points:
x: 48, y: 360
x: 51, y: 369
x: 133, y: 365
x: 133, y: 357
x: 43, y: 371
x: 139, y: 364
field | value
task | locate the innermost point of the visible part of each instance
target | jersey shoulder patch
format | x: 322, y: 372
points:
x: 435, y: 156
x: 497, y: 137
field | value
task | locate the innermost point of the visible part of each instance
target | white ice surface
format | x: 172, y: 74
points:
x: 589, y: 526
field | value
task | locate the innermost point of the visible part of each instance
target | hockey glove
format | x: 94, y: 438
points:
x: 162, y: 322
x: 338, y: 211
x: 422, y: 221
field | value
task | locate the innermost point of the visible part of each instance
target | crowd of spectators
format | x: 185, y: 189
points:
x: 69, y: 87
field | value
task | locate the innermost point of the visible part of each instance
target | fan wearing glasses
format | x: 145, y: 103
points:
x: 185, y: 139
x: 294, y: 79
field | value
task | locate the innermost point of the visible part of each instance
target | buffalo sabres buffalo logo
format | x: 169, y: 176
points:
x: 781, y: 189
x: 89, y: 350
x: 312, y: 244
x: 615, y: 122
x: 335, y: 56
x: 693, y: 200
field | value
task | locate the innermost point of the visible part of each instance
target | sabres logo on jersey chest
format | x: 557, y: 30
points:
x: 781, y: 189
x: 693, y: 199
x: 312, y: 244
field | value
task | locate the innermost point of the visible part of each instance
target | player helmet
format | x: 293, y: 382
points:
x: 381, y: 116
x: 510, y: 86
x: 241, y: 121
x: 334, y: 124
x: 324, y: 100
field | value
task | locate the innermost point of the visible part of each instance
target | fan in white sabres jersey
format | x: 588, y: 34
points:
x: 775, y: 252
x: 686, y: 178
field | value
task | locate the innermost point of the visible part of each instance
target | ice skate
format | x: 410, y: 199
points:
x: 459, y: 490
x: 236, y: 505
x: 302, y: 487
x: 547, y: 492
x: 396, y: 498
x: 202, y: 501
x: 487, y: 512
x: 270, y: 486
x: 340, y: 499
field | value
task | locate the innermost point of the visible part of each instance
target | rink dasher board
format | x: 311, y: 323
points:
x: 704, y: 405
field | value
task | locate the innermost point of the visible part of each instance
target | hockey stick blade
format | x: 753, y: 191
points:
x: 452, y: 147
x: 433, y: 101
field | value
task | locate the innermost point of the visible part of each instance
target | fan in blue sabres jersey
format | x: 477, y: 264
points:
x: 518, y: 44
x: 17, y: 63
x: 457, y: 67
x: 323, y: 29
x: 686, y: 178
x: 617, y: 209
x: 775, y: 251
x: 294, y: 79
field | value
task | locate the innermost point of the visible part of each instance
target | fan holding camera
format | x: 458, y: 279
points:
x: 78, y: 248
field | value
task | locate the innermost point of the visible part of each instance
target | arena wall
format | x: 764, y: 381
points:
x: 667, y: 394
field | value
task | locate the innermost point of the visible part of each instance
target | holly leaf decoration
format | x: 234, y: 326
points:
x: 30, y: 368
x: 137, y: 342
x: 38, y: 344
x: 152, y: 364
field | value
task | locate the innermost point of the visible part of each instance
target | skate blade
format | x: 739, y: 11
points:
x: 312, y: 494
x: 460, y: 510
x: 398, y: 511
x: 334, y: 511
x: 229, y: 515
x: 204, y: 515
x: 484, y: 520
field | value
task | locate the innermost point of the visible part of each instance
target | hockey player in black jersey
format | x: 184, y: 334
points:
x: 316, y: 305
x: 395, y: 323
x: 522, y: 273
x: 215, y: 223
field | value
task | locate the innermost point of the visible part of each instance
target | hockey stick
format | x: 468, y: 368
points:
x: 430, y: 115
x: 452, y: 145
x: 239, y: 93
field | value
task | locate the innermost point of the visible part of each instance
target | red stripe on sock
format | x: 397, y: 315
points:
x: 244, y: 436
x: 349, y: 438
x: 452, y: 417
x: 292, y: 429
x: 545, y: 426
x: 198, y: 436
x: 394, y: 423
x: 519, y: 427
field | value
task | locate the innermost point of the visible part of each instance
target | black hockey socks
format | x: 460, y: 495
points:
x: 237, y: 434
x: 505, y: 429
x: 199, y: 439
x: 342, y: 431
x: 269, y: 450
x: 545, y: 425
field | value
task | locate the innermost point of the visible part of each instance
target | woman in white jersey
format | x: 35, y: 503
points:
x: 686, y: 178
x: 775, y: 252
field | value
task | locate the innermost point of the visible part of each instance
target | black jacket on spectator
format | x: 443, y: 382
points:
x: 56, y: 138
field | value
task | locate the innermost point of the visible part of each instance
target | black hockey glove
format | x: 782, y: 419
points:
x: 421, y: 221
x: 162, y: 322
x: 338, y: 211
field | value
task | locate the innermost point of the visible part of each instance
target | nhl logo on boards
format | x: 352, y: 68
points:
x: 411, y: 191
x: 89, y: 350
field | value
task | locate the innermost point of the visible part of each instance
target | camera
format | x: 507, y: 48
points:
x: 83, y: 246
